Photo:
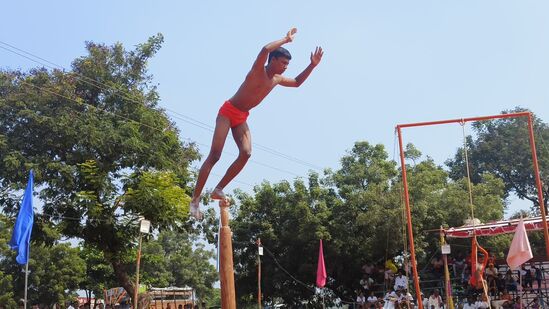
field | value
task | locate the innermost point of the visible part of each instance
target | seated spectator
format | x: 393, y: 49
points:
x: 507, y: 299
x: 459, y: 265
x: 380, y: 304
x: 371, y: 300
x: 527, y: 278
x: 405, y: 299
x: 492, y: 259
x: 517, y: 304
x: 368, y: 268
x: 390, y: 300
x: 500, y: 283
x: 388, y: 278
x: 482, y: 302
x: 425, y: 301
x: 491, y: 275
x: 401, y: 281
x: 538, y: 276
x: 469, y: 304
x: 438, y: 265
x: 510, y: 281
x: 465, y: 276
x: 435, y: 300
x: 361, y: 301
x: 366, y: 282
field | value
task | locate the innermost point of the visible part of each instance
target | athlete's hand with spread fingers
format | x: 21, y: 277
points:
x: 290, y: 35
x: 317, y: 56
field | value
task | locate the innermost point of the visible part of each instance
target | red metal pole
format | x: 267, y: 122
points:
x: 538, y: 183
x: 430, y: 123
x: 463, y: 120
x: 409, y: 221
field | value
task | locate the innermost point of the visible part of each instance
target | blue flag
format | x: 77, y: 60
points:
x: 20, y: 240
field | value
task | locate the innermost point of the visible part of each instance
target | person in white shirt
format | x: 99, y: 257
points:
x: 390, y: 300
x: 371, y: 300
x: 469, y: 304
x: 405, y: 299
x: 425, y: 301
x: 366, y: 282
x: 482, y: 302
x: 361, y: 301
x: 401, y: 281
x: 435, y: 300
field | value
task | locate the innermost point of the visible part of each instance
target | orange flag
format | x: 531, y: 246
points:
x: 520, y: 251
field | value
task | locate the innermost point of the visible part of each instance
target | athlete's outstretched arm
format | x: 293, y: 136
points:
x: 264, y: 53
x: 296, y: 82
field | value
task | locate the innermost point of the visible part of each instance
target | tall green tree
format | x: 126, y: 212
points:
x: 7, y: 294
x: 171, y: 259
x: 502, y: 148
x: 288, y: 219
x: 99, y: 274
x: 54, y: 275
x: 358, y: 211
x: 104, y: 153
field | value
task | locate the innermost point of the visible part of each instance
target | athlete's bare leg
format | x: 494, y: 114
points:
x: 243, y: 139
x: 222, y: 126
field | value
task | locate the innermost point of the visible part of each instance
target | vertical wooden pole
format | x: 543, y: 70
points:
x: 136, y: 290
x: 226, y: 272
x: 258, y: 274
x: 161, y: 299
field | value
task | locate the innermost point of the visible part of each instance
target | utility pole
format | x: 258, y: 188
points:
x: 259, y: 254
x: 144, y: 227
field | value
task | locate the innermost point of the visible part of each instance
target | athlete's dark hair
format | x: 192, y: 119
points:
x: 280, y: 52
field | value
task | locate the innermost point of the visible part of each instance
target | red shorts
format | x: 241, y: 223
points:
x: 236, y: 116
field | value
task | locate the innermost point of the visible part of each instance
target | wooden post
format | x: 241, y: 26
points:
x: 226, y: 272
x: 136, y: 290
x: 161, y: 299
x: 258, y: 274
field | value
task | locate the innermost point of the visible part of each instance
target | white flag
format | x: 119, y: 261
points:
x: 520, y: 251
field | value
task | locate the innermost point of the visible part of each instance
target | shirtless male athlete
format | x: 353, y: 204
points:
x: 233, y: 114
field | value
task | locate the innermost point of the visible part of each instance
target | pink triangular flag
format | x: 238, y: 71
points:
x: 520, y: 251
x: 321, y: 269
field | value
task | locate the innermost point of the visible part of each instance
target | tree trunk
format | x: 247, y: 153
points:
x: 123, y: 278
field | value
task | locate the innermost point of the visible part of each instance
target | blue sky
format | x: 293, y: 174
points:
x: 385, y: 63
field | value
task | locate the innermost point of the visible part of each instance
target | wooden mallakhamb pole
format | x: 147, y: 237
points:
x: 226, y: 272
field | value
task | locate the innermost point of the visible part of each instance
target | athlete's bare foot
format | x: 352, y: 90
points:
x: 225, y: 203
x: 217, y: 194
x: 195, y: 211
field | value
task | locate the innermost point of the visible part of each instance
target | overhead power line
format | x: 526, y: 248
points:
x: 175, y: 114
x: 140, y: 123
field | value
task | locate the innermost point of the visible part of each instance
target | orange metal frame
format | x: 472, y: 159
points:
x: 405, y: 181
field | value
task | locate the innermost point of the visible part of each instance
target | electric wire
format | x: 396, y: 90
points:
x: 180, y: 116
x: 137, y: 122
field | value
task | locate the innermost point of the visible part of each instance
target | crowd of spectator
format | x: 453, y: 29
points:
x: 386, y: 286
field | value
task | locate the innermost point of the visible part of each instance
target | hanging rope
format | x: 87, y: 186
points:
x: 469, y: 186
x: 402, y: 221
x: 477, y: 278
